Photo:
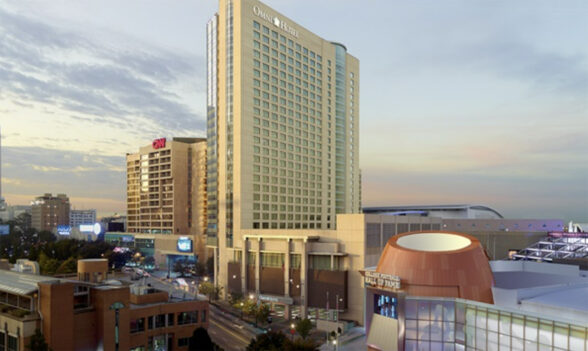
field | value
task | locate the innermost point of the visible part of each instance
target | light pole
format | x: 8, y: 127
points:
x: 242, y: 304
x: 292, y: 330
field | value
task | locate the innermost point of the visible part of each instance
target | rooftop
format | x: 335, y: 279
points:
x: 433, y: 242
x: 22, y: 283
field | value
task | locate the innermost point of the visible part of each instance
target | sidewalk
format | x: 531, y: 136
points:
x: 353, y: 339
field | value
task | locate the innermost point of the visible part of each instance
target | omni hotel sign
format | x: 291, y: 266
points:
x: 275, y: 21
x: 381, y: 280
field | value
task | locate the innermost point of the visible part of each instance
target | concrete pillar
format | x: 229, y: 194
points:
x: 287, y: 277
x: 303, y: 285
x: 244, y: 255
x: 257, y: 266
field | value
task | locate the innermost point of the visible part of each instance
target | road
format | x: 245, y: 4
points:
x: 225, y: 330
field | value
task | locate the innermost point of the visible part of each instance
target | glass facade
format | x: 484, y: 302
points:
x: 340, y: 129
x: 229, y: 125
x: 455, y: 324
x: 211, y: 132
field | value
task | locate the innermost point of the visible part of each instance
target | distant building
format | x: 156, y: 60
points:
x: 499, y: 236
x: 49, y: 211
x: 94, y: 312
x: 78, y: 217
x: 12, y: 212
x: 166, y: 190
x: 115, y: 223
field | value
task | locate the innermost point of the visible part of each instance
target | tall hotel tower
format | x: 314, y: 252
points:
x: 283, y: 121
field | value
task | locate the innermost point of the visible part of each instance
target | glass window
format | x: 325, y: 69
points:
x: 560, y: 336
x: 170, y: 319
x: 138, y: 325
x: 411, y: 309
x: 160, y: 321
x: 531, y: 327
x: 423, y: 310
x: 183, y: 342
x: 12, y: 343
x: 411, y: 329
x: 150, y: 322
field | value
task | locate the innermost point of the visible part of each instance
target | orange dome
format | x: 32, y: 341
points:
x: 444, y: 264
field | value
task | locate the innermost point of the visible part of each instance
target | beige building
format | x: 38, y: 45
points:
x: 166, y: 189
x: 283, y: 123
x: 315, y: 272
x: 49, y: 211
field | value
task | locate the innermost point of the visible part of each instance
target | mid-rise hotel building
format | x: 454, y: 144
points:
x: 283, y: 141
x: 166, y: 191
x: 49, y: 211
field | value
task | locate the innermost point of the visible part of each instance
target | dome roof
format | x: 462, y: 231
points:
x: 443, y: 264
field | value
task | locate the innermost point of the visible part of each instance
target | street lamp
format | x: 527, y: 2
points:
x: 292, y: 330
x: 242, y: 309
x: 335, y: 344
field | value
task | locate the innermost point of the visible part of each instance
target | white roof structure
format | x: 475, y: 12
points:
x: 21, y: 283
x: 554, y: 246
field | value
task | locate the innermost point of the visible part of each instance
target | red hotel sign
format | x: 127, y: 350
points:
x: 159, y: 143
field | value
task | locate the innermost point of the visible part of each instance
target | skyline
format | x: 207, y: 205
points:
x: 444, y: 74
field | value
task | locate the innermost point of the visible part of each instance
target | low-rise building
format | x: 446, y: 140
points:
x: 94, y: 313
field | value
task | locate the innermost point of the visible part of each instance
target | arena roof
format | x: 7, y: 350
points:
x: 425, y: 209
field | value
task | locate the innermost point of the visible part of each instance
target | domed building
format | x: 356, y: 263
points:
x: 411, y: 294
x: 441, y: 264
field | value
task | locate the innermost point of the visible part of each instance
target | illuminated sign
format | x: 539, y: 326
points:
x: 63, y: 229
x: 95, y: 228
x: 158, y: 143
x: 275, y: 21
x: 381, y: 280
x: 184, y: 244
x: 127, y: 238
x: 4, y: 229
x: 278, y: 299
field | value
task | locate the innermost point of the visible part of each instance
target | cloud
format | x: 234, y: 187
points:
x: 119, y: 86
x: 40, y: 170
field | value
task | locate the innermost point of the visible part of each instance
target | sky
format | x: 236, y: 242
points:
x: 481, y: 102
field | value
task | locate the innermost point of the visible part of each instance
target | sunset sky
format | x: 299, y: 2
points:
x: 482, y: 102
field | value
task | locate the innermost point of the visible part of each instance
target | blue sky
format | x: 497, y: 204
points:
x: 461, y: 101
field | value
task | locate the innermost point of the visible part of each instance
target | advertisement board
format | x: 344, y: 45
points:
x: 64, y: 229
x: 184, y: 244
x: 4, y: 229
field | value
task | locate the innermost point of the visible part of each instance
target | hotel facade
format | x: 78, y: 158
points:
x: 283, y: 146
x: 166, y: 193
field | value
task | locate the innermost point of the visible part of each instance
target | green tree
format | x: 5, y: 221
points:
x: 271, y: 341
x: 262, y: 312
x: 68, y: 266
x: 210, y: 290
x: 37, y: 342
x: 303, y: 328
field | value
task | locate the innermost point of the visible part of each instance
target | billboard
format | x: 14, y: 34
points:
x: 4, y: 229
x: 184, y: 244
x: 63, y: 229
x: 95, y: 228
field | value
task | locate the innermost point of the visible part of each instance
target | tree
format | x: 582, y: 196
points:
x: 303, y: 328
x: 200, y: 269
x: 271, y: 341
x: 68, y: 266
x: 262, y: 312
x: 210, y: 290
x: 200, y: 341
x: 301, y: 345
x: 37, y: 342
